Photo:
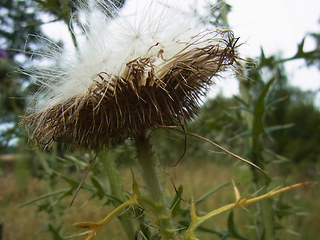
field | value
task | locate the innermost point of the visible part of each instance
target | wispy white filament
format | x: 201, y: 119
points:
x: 141, y: 29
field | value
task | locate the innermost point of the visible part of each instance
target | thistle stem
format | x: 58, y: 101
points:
x: 267, y: 230
x: 148, y: 167
x: 149, y: 173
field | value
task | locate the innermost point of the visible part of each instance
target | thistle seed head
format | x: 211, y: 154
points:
x: 162, y: 86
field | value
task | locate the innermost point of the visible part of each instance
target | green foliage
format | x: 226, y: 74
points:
x: 305, y: 119
x: 17, y: 17
x: 269, y: 122
x: 218, y: 13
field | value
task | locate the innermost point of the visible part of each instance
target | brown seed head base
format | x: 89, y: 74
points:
x: 119, y: 107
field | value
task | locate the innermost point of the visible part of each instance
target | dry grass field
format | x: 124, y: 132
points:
x: 197, y: 178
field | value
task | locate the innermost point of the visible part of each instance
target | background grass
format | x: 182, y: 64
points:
x: 196, y: 177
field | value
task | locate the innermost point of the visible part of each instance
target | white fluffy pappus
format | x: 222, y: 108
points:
x: 139, y: 30
x: 144, y: 65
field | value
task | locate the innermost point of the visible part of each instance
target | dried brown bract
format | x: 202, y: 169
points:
x: 147, y: 94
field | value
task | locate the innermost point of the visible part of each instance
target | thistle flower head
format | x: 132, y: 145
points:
x: 145, y: 66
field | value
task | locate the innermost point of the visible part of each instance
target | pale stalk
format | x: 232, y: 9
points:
x: 148, y: 166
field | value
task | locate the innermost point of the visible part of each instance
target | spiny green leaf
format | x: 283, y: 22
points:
x: 300, y: 52
x: 259, y: 109
x: 278, y: 127
x: 75, y: 160
x: 74, y: 184
x: 241, y: 101
x: 211, y: 191
x: 96, y: 184
x: 279, y: 100
x: 243, y: 134
x: 175, y: 204
x: 70, y: 181
x: 44, y: 196
x: 55, y: 232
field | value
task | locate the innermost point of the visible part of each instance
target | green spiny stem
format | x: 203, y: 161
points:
x: 265, y: 208
x: 265, y: 219
x: 149, y: 173
x: 148, y: 167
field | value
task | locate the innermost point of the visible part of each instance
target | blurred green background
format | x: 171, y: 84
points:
x: 270, y: 122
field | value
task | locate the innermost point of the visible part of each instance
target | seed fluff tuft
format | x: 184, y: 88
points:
x: 136, y: 68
